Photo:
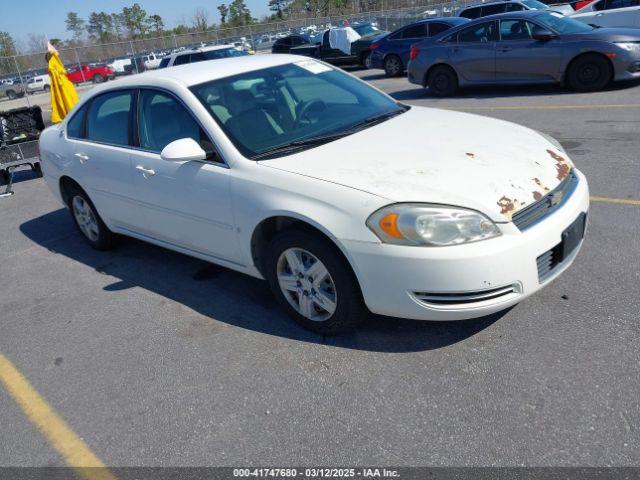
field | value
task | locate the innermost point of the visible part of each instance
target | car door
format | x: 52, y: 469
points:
x: 185, y: 204
x: 520, y: 58
x: 101, y: 161
x: 472, y: 52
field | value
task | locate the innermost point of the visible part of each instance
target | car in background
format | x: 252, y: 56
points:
x: 12, y: 90
x: 39, y: 83
x: 120, y: 64
x: 90, y: 72
x: 494, y: 8
x: 201, y: 54
x: 284, y: 45
x: 151, y: 61
x: 391, y: 52
x: 260, y: 166
x: 610, y: 13
x: 527, y: 47
x: 360, y: 49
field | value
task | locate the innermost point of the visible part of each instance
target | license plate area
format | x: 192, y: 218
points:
x: 571, y: 237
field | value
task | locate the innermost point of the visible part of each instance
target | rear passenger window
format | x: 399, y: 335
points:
x: 75, y: 126
x: 471, y: 13
x: 437, y: 28
x: 182, y: 59
x: 514, y: 7
x: 493, y: 9
x: 108, y: 118
x: 415, y: 31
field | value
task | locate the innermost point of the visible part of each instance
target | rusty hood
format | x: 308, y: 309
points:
x: 440, y: 156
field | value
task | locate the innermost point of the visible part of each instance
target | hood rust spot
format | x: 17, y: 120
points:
x: 509, y: 206
x: 562, y: 165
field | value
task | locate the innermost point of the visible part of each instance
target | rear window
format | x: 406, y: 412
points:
x: 493, y: 9
x: 471, y: 13
x: 164, y: 62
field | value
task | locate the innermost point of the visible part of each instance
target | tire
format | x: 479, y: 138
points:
x: 442, y: 81
x: 37, y: 168
x: 335, y: 287
x: 97, y: 78
x: 393, y: 66
x: 365, y: 60
x: 589, y: 73
x: 11, y: 95
x: 46, y: 88
x: 100, y: 238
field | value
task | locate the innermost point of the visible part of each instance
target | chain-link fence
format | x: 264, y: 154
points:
x: 136, y: 55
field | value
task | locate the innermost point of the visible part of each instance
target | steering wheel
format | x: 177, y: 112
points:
x: 303, y: 109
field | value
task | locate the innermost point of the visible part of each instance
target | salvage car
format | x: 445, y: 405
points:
x: 360, y: 53
x: 343, y: 199
x: 610, y: 13
x: 91, y: 72
x: 526, y: 48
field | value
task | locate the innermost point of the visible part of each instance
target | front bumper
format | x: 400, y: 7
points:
x: 490, y: 275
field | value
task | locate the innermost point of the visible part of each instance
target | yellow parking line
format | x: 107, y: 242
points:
x: 625, y: 201
x: 74, y: 451
x: 536, y: 107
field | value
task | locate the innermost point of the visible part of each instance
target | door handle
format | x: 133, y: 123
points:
x: 599, y: 14
x: 146, y: 171
x: 82, y: 157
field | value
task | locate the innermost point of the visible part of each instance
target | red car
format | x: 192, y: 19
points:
x: 91, y: 72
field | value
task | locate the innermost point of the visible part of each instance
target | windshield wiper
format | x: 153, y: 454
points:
x: 320, y: 139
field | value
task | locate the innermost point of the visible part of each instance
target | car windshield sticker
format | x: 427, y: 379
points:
x: 313, y: 66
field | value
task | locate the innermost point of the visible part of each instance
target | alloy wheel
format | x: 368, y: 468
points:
x: 85, y: 218
x: 306, y: 284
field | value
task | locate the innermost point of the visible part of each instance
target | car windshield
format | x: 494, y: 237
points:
x: 270, y: 112
x: 561, y: 24
x: 365, y: 29
x: 535, y: 5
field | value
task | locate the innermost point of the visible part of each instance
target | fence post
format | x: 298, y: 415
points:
x: 79, y: 66
x: 24, y: 85
x: 175, y: 41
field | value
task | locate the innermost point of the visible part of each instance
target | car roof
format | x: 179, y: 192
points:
x: 200, y: 72
x: 491, y: 3
x: 453, y: 20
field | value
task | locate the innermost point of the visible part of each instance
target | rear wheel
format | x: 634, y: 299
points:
x: 97, y: 78
x: 86, y: 218
x: 442, y: 81
x: 313, y: 282
x: 589, y: 73
x: 47, y: 88
x: 11, y: 95
x: 365, y: 60
x: 393, y: 66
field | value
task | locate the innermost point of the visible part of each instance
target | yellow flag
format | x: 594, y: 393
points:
x: 63, y: 93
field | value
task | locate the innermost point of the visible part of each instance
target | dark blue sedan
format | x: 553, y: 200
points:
x: 391, y: 52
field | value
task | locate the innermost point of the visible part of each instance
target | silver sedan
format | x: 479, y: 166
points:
x: 525, y: 48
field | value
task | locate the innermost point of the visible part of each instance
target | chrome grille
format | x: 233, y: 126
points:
x: 461, y: 298
x: 553, y: 200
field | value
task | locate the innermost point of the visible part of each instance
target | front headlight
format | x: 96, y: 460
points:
x: 430, y: 225
x: 629, y: 46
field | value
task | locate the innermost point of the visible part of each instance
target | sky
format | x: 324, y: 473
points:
x: 47, y: 16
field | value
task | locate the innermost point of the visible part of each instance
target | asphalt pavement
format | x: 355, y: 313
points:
x: 157, y: 359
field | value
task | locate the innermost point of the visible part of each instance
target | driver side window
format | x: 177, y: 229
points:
x: 162, y: 120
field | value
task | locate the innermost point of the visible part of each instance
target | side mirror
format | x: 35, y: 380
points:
x: 543, y: 35
x: 183, y: 150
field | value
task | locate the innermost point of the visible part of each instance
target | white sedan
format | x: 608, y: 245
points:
x: 343, y: 199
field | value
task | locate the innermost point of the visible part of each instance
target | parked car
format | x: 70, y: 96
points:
x: 610, y: 13
x: 39, y: 83
x: 493, y: 8
x: 391, y: 52
x: 201, y: 54
x: 526, y: 47
x: 319, y: 183
x: 283, y: 45
x: 360, y: 49
x: 12, y: 90
x: 151, y: 61
x: 90, y: 72
x: 119, y: 65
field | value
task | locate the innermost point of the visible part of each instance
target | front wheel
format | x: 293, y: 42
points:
x: 97, y: 78
x: 86, y: 218
x: 313, y: 282
x: 442, y: 81
x: 11, y: 95
x: 589, y: 73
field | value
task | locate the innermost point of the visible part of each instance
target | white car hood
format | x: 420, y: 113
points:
x: 440, y: 156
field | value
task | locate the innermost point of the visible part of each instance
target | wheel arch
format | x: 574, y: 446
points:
x: 267, y: 228
x: 65, y: 184
x: 582, y: 54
